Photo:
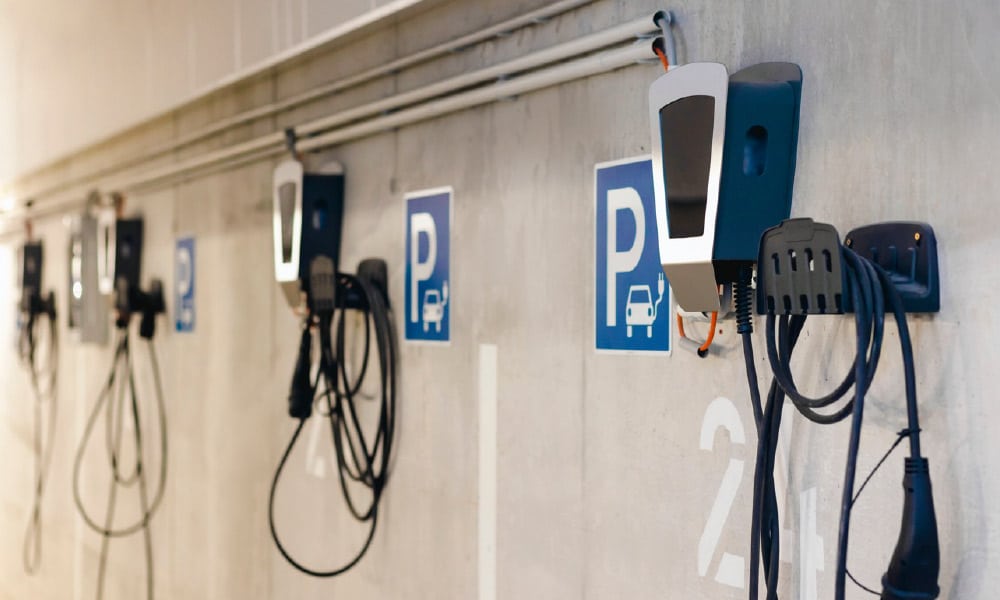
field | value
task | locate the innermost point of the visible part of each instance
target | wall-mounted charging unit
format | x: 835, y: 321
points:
x: 40, y: 355
x: 803, y: 269
x: 308, y: 218
x: 130, y: 298
x: 33, y: 303
x: 87, y: 306
x: 723, y: 165
x: 119, y: 248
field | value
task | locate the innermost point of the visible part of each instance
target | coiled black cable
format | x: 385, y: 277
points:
x: 359, y: 460
x: 112, y: 400
x: 43, y: 441
x: 870, y: 286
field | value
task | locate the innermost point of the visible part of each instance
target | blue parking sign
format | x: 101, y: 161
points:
x: 428, y: 265
x: 632, y: 296
x: 184, y: 285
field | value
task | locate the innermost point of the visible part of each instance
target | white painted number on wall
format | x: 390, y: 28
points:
x: 722, y: 414
x: 808, y: 545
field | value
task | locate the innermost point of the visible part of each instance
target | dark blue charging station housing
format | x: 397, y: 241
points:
x: 758, y: 165
x: 128, y: 252
x: 322, y: 221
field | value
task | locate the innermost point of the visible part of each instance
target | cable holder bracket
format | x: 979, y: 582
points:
x: 907, y: 251
x: 800, y: 269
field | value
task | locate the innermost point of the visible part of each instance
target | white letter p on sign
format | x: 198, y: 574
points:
x: 627, y: 261
x: 420, y: 270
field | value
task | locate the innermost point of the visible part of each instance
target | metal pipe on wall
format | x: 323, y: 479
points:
x: 562, y: 73
x: 564, y: 51
x: 415, y: 106
x: 441, y: 89
x: 528, y: 19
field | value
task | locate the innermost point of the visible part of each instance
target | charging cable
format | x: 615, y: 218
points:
x: 914, y: 567
x: 43, y: 385
x: 361, y: 461
x: 118, y: 401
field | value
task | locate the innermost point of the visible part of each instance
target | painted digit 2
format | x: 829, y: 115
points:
x: 722, y: 413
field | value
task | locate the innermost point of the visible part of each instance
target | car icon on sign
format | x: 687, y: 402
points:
x: 639, y: 309
x: 433, y: 312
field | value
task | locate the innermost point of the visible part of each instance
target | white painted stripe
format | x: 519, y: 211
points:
x: 79, y: 422
x: 487, y: 472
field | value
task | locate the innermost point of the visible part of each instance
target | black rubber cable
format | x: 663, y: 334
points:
x: 112, y: 400
x: 870, y: 288
x: 363, y: 461
x: 43, y: 442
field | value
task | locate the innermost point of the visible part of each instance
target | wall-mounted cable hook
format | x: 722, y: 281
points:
x: 291, y: 141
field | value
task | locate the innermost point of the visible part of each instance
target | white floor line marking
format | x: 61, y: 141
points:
x: 487, y: 472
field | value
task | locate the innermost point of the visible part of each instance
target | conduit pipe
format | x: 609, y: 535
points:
x: 528, y: 19
x: 562, y: 73
x: 276, y: 140
x: 522, y: 64
x: 577, y: 69
x: 561, y: 52
x: 273, y: 144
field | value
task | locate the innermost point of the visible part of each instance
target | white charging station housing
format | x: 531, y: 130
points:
x: 689, y: 102
x: 288, y: 226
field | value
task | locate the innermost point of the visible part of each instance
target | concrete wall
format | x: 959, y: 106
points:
x: 74, y: 71
x: 603, y: 488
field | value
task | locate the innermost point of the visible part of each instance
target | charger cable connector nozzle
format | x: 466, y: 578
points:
x: 300, y: 396
x: 913, y: 572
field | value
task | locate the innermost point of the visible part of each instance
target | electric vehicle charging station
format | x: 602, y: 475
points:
x: 119, y: 252
x: 307, y: 226
x: 33, y: 302
x: 724, y: 152
x: 723, y: 166
x: 34, y: 308
x: 308, y: 216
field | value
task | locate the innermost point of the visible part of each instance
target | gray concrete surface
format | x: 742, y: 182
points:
x: 603, y: 490
x: 74, y: 72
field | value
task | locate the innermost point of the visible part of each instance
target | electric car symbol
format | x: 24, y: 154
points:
x: 640, y: 310
x: 434, y: 303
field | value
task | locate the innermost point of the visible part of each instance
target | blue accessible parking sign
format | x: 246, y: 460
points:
x: 428, y: 265
x: 632, y: 296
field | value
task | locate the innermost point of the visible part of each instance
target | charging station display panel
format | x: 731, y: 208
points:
x: 686, y: 130
x: 687, y: 114
x: 632, y: 302
x: 428, y: 265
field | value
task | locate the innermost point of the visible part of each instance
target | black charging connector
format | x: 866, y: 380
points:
x: 300, y: 397
x: 132, y: 300
x: 916, y: 562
